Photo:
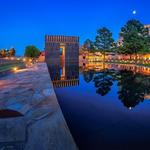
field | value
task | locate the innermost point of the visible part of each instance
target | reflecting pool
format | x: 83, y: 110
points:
x: 106, y: 106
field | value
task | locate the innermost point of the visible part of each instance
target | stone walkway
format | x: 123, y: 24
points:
x: 40, y: 125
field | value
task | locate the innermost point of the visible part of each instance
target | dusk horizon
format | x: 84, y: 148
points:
x: 27, y: 23
x: 75, y: 75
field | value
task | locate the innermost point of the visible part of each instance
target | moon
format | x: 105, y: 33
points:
x: 134, y: 12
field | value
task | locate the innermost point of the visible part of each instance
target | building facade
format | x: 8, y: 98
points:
x: 61, y: 48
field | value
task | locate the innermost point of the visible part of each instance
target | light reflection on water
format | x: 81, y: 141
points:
x: 108, y: 107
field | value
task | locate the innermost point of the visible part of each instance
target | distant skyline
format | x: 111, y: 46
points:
x: 27, y: 22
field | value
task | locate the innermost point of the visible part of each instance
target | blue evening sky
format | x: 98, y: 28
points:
x: 25, y: 22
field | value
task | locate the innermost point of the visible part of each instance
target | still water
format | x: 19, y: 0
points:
x: 106, y: 106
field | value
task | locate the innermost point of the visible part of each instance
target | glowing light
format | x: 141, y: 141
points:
x: 24, y: 59
x: 15, y: 68
x: 130, y: 108
x: 134, y: 12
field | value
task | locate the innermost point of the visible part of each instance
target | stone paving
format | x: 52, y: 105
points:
x: 41, y: 125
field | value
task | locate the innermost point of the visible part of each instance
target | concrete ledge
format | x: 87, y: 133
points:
x: 42, y: 127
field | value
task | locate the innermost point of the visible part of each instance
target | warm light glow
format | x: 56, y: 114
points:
x: 24, y: 59
x: 12, y: 58
x: 15, y: 68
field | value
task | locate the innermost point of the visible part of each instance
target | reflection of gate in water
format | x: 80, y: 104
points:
x: 64, y: 75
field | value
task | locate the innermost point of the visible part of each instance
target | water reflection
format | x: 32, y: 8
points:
x: 97, y: 111
x: 88, y: 76
x: 65, y: 74
x: 133, y: 82
x: 103, y: 82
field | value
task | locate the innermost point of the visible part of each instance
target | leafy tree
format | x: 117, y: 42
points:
x: 32, y: 51
x: 12, y: 52
x: 89, y: 45
x: 135, y: 38
x: 3, y: 53
x: 104, y: 41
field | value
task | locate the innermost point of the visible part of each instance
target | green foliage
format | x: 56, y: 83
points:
x: 135, y: 38
x: 32, y: 51
x: 104, y: 41
x: 12, y: 52
x: 89, y: 46
x: 7, y: 53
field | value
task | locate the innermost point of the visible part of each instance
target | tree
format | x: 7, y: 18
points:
x: 32, y: 51
x: 104, y: 41
x: 89, y: 45
x: 103, y: 82
x: 3, y: 53
x: 88, y: 76
x: 135, y: 38
x: 132, y: 88
x: 12, y: 52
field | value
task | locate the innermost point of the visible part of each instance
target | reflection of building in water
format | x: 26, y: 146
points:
x: 65, y: 75
x: 100, y: 66
x: 136, y: 69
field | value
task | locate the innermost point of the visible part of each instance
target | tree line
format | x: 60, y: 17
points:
x: 7, y: 53
x: 30, y: 51
x: 126, y: 83
x: 135, y: 39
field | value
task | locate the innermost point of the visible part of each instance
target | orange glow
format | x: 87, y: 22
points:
x: 15, y: 68
x: 24, y: 59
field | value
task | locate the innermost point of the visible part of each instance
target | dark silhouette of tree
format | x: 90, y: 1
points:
x: 3, y: 53
x: 11, y: 52
x: 88, y: 76
x: 89, y: 46
x: 132, y: 88
x: 103, y: 83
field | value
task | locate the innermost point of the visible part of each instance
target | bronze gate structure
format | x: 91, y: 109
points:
x: 61, y: 48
